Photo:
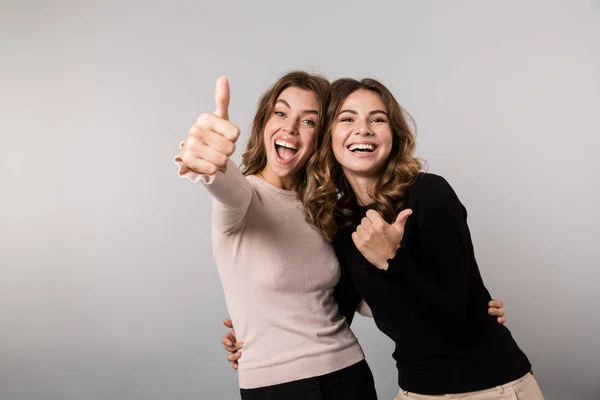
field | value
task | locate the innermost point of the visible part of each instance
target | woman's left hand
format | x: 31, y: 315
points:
x: 377, y: 240
x: 497, y: 310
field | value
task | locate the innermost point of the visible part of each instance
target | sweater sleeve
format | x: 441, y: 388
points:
x: 437, y: 289
x: 231, y: 194
x: 345, y: 292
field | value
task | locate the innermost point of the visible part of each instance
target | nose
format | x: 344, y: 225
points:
x: 363, y: 129
x: 290, y: 126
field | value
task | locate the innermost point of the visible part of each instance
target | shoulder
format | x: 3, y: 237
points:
x: 432, y: 187
x: 432, y: 194
x: 255, y: 182
x: 261, y: 188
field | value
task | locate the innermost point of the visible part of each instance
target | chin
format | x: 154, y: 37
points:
x: 283, y: 171
x: 363, y: 170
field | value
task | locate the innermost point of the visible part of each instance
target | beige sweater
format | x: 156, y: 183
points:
x: 278, y: 276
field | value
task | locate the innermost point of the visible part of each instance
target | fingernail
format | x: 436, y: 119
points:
x: 228, y: 343
x: 490, y: 311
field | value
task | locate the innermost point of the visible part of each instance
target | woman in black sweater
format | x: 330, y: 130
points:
x: 402, y: 239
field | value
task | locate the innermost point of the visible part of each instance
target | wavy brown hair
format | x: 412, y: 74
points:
x: 329, y: 200
x: 254, y: 158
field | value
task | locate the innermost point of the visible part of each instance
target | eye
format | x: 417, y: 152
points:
x: 346, y: 119
x: 279, y: 114
x: 310, y: 122
x: 378, y: 120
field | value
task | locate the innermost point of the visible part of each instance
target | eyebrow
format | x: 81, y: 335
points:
x: 371, y: 113
x: 285, y: 103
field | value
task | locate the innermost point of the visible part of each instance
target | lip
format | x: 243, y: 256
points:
x: 287, y: 139
x: 363, y: 154
x: 362, y: 142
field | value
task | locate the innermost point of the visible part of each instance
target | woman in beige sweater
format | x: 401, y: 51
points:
x: 277, y: 273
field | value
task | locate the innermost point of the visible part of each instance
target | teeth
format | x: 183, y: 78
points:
x: 283, y: 143
x: 361, y: 147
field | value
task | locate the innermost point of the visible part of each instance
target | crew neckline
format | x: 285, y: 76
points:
x: 273, y: 188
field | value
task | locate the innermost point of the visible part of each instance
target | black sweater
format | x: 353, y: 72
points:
x: 431, y: 301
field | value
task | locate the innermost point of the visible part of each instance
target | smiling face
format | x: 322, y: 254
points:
x: 289, y: 135
x: 362, y: 136
x: 365, y: 156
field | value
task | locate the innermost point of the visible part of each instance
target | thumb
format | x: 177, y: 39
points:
x: 222, y: 98
x: 401, y: 219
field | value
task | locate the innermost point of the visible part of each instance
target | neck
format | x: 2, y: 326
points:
x: 282, y: 182
x: 363, y: 187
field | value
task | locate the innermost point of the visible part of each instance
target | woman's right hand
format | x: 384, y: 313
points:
x: 211, y: 140
x: 230, y: 344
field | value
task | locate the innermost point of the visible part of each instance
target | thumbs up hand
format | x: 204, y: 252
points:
x: 211, y: 140
x: 377, y: 240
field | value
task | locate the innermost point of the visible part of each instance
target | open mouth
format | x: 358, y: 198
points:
x: 285, y: 150
x: 362, y: 148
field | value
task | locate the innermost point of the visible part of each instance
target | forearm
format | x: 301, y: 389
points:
x: 232, y: 194
x: 428, y: 302
x: 345, y: 292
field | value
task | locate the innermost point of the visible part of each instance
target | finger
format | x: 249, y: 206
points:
x: 496, y: 303
x: 220, y: 144
x: 227, y: 322
x: 497, y: 312
x: 207, y: 153
x: 229, y: 339
x: 226, y: 341
x: 197, y: 164
x: 235, y: 365
x: 200, y: 166
x: 366, y: 224
x: 186, y: 155
x: 401, y: 219
x: 222, y: 98
x: 356, y: 239
x: 501, y: 320
x: 231, y: 357
x: 362, y: 233
x: 231, y: 335
x: 375, y: 218
x: 234, y: 348
x: 208, y: 124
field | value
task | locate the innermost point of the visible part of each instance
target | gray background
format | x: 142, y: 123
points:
x: 107, y: 286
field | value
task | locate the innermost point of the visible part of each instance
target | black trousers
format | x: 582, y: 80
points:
x: 351, y: 383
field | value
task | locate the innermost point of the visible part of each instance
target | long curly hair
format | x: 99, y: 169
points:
x: 254, y: 159
x: 329, y: 200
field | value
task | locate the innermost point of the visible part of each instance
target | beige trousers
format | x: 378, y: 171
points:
x: 525, y: 388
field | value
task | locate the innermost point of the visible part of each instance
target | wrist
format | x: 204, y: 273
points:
x: 383, y: 265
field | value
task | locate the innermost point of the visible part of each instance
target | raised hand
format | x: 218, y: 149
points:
x: 211, y: 140
x: 377, y: 240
